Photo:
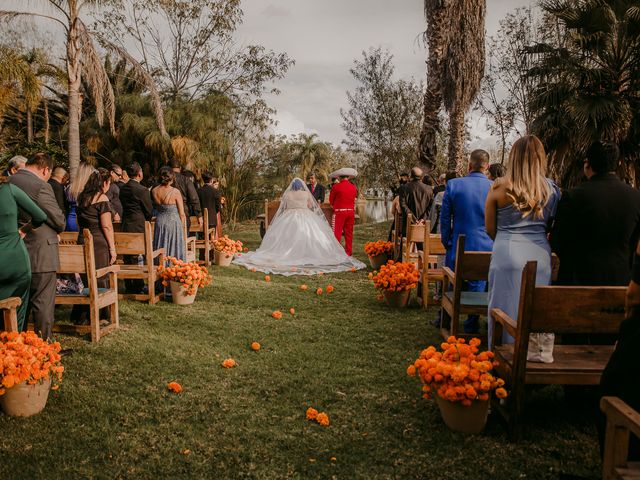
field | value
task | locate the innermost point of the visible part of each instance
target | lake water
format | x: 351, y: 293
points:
x: 376, y: 211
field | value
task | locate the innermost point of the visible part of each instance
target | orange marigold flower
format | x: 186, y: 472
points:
x: 292, y: 311
x: 330, y: 288
x: 312, y: 413
x: 319, y: 291
x: 501, y: 393
x: 303, y: 287
x: 229, y: 363
x: 277, y: 314
x: 255, y: 346
x: 411, y: 371
x: 267, y: 278
x: 174, y: 387
x: 323, y: 419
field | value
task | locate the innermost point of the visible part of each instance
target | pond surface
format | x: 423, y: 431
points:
x: 375, y: 211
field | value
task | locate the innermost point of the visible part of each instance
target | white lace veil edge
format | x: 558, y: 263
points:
x: 294, y: 186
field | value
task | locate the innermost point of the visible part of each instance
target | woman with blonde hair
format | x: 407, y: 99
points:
x: 73, y: 191
x: 518, y: 214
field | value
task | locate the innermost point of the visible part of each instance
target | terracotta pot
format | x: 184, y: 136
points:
x: 397, y: 299
x: 463, y: 419
x: 223, y: 259
x: 179, y: 294
x: 24, y: 400
x: 379, y: 260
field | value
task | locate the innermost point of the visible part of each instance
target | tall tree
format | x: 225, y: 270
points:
x: 82, y: 59
x: 310, y: 155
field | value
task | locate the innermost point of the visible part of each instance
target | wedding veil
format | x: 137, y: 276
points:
x: 295, y: 195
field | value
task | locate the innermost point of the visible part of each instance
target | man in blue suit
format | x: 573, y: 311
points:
x: 462, y: 213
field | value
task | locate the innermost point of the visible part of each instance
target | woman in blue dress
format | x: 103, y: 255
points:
x: 73, y: 191
x: 169, y: 230
x: 518, y: 213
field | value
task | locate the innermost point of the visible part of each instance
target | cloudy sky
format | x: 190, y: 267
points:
x: 324, y: 37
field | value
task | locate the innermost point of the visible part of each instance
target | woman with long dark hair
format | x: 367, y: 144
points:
x: 169, y: 230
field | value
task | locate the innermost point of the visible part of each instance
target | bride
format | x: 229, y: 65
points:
x: 299, y: 241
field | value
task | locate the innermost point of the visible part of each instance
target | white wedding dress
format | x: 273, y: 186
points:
x: 299, y: 240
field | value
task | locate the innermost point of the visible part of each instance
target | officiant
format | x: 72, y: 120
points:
x: 315, y: 188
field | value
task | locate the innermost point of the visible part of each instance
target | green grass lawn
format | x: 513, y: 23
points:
x: 343, y: 353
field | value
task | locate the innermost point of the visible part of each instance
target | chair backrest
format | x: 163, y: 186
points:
x: 471, y: 265
x: 327, y: 209
x: 435, y: 245
x: 134, y: 243
x: 569, y: 309
x: 79, y: 258
x: 68, y: 238
x: 416, y: 234
x: 270, y: 209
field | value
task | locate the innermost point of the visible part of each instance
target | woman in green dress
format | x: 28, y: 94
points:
x: 15, y: 268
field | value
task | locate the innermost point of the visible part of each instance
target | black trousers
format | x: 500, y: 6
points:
x: 42, y: 302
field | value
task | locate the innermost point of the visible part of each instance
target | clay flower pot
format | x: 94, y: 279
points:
x: 222, y: 259
x: 179, y: 294
x: 397, y: 299
x: 379, y: 260
x: 463, y: 419
x: 24, y: 400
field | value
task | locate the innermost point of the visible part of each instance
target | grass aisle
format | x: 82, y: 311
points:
x: 344, y: 353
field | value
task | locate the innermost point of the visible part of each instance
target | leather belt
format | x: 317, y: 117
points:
x: 343, y: 209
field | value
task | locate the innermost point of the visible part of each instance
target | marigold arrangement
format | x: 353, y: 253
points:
x: 457, y: 373
x: 174, y: 387
x: 396, y: 277
x: 25, y: 357
x: 226, y: 245
x: 373, y: 249
x: 189, y: 274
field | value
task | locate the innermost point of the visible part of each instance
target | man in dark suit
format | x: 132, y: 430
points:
x: 42, y: 242
x: 597, y: 224
x: 315, y: 188
x: 57, y: 181
x: 210, y: 197
x: 415, y: 198
x: 189, y: 194
x: 136, y: 209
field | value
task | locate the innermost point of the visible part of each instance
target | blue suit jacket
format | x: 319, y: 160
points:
x: 462, y: 213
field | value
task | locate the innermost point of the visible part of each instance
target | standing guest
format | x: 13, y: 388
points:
x: 415, y: 199
x: 343, y: 199
x: 58, y: 181
x: 74, y: 189
x: 495, y: 171
x: 42, y: 242
x: 598, y: 224
x: 118, y: 176
x: 14, y: 164
x: 436, y: 205
x: 136, y: 210
x: 190, y: 202
x: 315, y: 188
x: 210, y: 197
x: 463, y: 214
x: 395, y: 202
x: 113, y: 194
x: 442, y: 180
x: 519, y: 211
x: 15, y: 274
x: 95, y: 213
x: 170, y: 219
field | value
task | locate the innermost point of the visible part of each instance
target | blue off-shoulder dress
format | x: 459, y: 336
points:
x: 518, y: 241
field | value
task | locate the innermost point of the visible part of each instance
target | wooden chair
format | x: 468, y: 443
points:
x: 397, y: 236
x: 68, y: 238
x: 621, y: 421
x: 140, y: 244
x: 456, y: 302
x: 559, y: 310
x: 190, y: 246
x: 9, y: 307
x: 208, y: 236
x: 81, y: 259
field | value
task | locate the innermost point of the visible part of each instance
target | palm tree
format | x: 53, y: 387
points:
x: 311, y: 156
x: 83, y: 60
x: 455, y: 38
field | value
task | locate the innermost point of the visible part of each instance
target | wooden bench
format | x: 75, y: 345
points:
x: 426, y: 259
x: 140, y: 244
x: 81, y: 259
x: 9, y: 307
x: 208, y: 236
x: 456, y: 302
x: 621, y: 421
x: 68, y: 238
x: 558, y: 310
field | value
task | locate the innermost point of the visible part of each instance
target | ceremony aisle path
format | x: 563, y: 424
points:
x: 343, y: 353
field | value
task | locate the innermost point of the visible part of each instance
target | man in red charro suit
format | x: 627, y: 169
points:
x: 343, y: 198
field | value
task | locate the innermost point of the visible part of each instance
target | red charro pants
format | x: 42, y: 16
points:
x: 344, y: 223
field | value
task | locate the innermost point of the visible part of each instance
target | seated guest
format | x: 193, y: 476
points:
x: 518, y: 214
x: 14, y: 164
x: 136, y: 210
x: 210, y: 197
x: 15, y: 268
x: 463, y: 214
x: 58, y: 181
x: 415, y: 198
x: 73, y: 191
x: 315, y: 188
x: 96, y: 214
x: 495, y: 171
x: 598, y: 224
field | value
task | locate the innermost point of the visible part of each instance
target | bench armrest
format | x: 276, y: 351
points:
x: 157, y: 252
x: 620, y: 414
x: 101, y: 272
x: 505, y: 320
x: 449, y: 274
x: 11, y: 302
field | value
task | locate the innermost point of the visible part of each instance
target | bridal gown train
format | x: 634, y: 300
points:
x: 299, y: 241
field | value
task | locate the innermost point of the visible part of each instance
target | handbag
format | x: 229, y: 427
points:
x: 541, y: 347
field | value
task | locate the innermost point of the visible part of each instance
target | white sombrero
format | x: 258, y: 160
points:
x: 344, y: 172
